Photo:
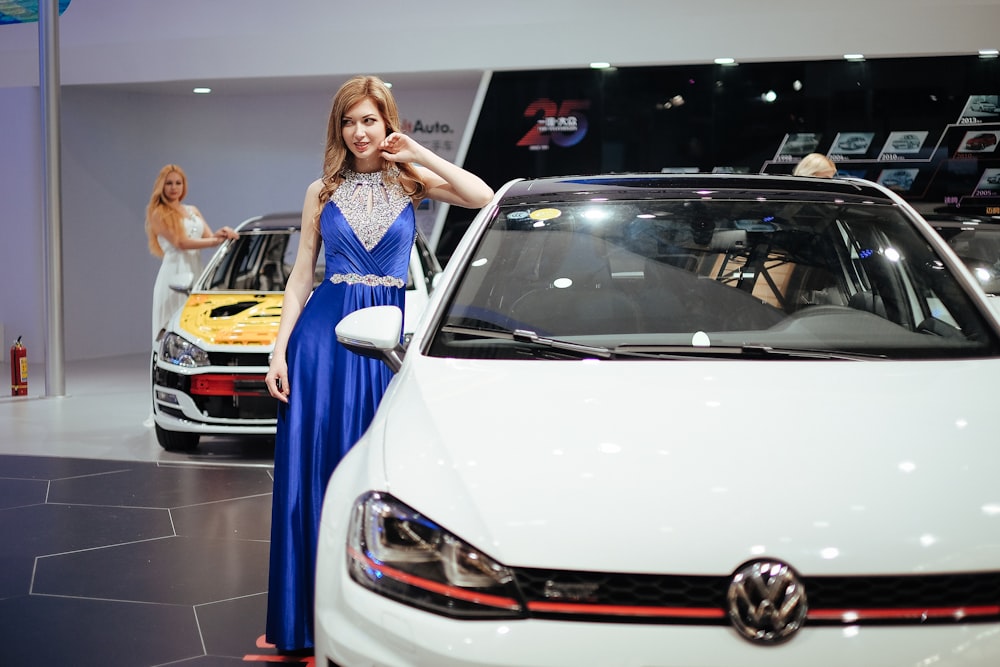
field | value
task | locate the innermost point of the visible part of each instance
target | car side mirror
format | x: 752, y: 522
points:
x: 183, y: 283
x: 374, y: 332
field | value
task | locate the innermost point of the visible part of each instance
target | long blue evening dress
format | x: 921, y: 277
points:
x: 368, y: 229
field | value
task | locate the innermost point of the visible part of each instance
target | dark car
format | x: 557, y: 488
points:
x: 981, y: 141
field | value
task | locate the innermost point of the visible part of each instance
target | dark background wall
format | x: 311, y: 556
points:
x: 717, y: 118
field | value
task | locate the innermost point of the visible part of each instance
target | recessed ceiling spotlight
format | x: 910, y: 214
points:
x: 201, y: 91
x: 725, y: 61
x: 796, y: 85
x: 600, y: 65
x: 989, y: 53
x: 769, y: 97
x: 854, y: 57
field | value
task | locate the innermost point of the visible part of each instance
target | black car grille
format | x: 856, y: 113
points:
x: 238, y: 407
x: 240, y: 359
x: 643, y: 598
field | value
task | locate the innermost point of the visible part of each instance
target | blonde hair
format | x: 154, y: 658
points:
x: 337, y: 157
x: 159, y: 208
x: 815, y: 164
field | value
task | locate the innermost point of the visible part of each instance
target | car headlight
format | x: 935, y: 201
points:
x: 395, y: 551
x: 181, y: 352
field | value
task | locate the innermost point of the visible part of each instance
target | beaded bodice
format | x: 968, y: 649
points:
x: 369, y: 203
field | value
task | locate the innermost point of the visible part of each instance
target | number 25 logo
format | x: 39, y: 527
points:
x: 561, y: 124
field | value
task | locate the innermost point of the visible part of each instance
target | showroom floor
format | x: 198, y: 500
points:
x: 116, y: 552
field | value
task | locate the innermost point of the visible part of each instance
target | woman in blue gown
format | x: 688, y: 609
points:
x: 363, y: 211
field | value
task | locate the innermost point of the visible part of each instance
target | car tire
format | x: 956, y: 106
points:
x: 176, y: 441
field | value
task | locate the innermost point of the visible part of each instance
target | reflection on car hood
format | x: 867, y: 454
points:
x: 695, y: 467
x: 232, y: 318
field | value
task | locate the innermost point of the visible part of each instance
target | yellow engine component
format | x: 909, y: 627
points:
x: 233, y: 318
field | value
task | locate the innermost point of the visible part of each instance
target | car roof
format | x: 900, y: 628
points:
x: 271, y: 222
x: 682, y: 186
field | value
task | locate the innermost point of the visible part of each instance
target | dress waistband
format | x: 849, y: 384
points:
x: 369, y: 279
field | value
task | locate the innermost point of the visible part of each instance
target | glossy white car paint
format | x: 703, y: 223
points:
x: 886, y: 467
x: 598, y: 489
x: 497, y: 450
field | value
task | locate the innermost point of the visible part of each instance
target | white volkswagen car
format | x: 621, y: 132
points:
x: 677, y: 421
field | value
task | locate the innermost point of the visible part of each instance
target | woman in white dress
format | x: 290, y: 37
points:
x: 177, y: 233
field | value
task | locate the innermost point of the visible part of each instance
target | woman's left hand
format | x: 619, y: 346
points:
x: 399, y: 147
x: 227, y: 233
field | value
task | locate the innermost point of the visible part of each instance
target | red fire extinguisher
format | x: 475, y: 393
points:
x: 18, y: 369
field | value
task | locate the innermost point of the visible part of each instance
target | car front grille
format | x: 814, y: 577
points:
x: 238, y: 407
x: 645, y: 598
x: 252, y: 402
x: 240, y: 359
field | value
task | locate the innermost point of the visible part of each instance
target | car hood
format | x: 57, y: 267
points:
x: 698, y: 466
x: 232, y: 318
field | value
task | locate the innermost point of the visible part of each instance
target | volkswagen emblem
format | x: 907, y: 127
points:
x: 766, y: 601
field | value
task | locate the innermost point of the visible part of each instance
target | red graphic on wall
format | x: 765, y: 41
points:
x: 561, y: 124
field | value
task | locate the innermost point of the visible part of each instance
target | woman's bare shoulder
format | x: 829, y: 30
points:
x: 315, y: 187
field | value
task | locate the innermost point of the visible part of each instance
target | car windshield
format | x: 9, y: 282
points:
x: 708, y: 278
x: 260, y: 260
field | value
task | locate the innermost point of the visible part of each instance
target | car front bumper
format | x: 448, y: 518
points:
x: 362, y: 628
x: 212, y: 400
x: 354, y: 626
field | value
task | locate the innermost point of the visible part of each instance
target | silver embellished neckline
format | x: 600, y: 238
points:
x: 369, y: 177
x: 369, y: 203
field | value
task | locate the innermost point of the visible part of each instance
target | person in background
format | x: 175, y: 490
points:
x: 177, y: 234
x: 815, y: 164
x: 362, y: 213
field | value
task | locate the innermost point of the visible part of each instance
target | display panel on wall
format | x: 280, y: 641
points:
x: 23, y: 11
x: 926, y: 127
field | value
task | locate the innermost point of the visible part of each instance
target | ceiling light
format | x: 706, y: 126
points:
x: 989, y: 53
x: 725, y: 61
x: 600, y: 65
x: 854, y: 57
x: 202, y: 91
x: 769, y: 96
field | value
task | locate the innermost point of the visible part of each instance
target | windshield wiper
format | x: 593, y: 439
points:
x: 582, y: 350
x: 806, y: 353
x: 526, y: 336
x: 579, y: 350
x: 751, y: 351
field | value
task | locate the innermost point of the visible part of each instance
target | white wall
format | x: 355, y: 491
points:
x: 108, y: 41
x: 244, y: 156
x: 22, y: 269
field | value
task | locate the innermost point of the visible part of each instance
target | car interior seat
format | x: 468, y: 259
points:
x: 868, y: 302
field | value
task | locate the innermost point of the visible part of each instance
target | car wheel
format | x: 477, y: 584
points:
x: 176, y: 441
